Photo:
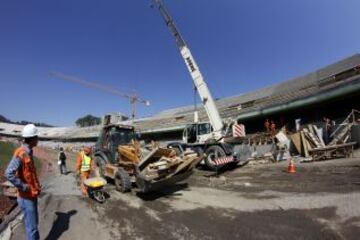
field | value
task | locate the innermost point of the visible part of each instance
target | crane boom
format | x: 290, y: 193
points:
x: 132, y: 97
x: 198, y: 79
x: 89, y: 84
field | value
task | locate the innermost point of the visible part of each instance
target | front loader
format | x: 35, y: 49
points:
x: 119, y: 156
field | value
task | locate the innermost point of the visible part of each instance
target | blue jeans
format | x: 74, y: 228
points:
x: 31, y: 217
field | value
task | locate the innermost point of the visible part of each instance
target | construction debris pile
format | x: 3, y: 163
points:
x: 157, y: 164
x: 164, y: 163
x: 310, y: 144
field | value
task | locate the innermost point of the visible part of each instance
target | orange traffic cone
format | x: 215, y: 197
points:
x: 291, y: 167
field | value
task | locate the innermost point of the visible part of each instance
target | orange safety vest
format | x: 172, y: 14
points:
x: 27, y: 174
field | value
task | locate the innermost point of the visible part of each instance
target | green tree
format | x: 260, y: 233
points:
x: 87, y: 121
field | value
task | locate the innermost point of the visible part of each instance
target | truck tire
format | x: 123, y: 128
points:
x: 122, y: 181
x: 100, y: 163
x: 212, y: 153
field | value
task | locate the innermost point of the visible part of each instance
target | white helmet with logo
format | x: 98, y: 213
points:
x: 29, y: 131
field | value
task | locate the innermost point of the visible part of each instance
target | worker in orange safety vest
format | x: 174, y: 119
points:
x: 22, y: 173
x: 84, y: 166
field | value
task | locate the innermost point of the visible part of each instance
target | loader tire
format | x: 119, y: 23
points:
x: 212, y: 153
x: 122, y: 181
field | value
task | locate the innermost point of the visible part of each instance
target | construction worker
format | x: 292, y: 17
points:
x: 22, y: 173
x: 62, y: 161
x: 327, y: 128
x: 84, y: 165
x: 267, y: 125
x: 272, y: 128
x: 283, y: 125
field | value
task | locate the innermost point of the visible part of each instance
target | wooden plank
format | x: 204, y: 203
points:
x: 311, y: 138
x: 188, y: 162
x: 166, y: 152
x: 335, y: 146
x: 310, y: 128
x: 155, y: 155
x: 304, y: 144
x: 317, y: 131
x: 309, y: 147
x: 315, y: 135
x: 329, y: 152
x: 296, y: 139
x: 144, y: 162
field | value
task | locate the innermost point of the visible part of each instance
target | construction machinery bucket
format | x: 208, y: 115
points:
x: 181, y: 169
x: 145, y: 186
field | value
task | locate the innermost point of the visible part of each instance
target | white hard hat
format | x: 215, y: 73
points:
x: 29, y: 131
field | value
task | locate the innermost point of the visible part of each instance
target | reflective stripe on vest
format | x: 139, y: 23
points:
x: 85, y: 164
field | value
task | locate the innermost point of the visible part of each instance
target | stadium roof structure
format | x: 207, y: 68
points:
x: 333, y: 81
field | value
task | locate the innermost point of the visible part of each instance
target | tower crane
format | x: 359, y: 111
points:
x: 133, y: 98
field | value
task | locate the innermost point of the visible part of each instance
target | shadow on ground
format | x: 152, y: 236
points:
x: 166, y: 192
x: 60, y: 225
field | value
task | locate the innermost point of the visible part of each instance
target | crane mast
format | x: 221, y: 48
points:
x: 198, y: 79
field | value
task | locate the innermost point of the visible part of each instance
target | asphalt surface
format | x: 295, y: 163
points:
x: 320, y: 201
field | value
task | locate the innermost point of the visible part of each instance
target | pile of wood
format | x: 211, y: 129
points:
x: 157, y: 164
x: 309, y: 143
x: 307, y: 139
x: 342, y: 134
x: 164, y: 163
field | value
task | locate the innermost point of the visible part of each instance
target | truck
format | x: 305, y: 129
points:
x: 204, y: 137
x: 121, y: 158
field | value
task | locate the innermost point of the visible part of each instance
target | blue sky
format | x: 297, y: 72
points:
x: 240, y: 46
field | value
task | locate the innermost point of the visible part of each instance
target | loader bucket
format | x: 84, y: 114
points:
x: 182, y: 168
x: 145, y: 186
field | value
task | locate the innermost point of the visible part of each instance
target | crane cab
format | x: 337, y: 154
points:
x: 197, y: 132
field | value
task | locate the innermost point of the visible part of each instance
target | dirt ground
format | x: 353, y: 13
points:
x: 5, y: 203
x: 320, y: 201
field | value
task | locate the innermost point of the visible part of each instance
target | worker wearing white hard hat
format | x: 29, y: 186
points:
x: 22, y: 173
x: 29, y: 131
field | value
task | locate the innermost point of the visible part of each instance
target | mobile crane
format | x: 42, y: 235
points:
x: 203, y: 137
